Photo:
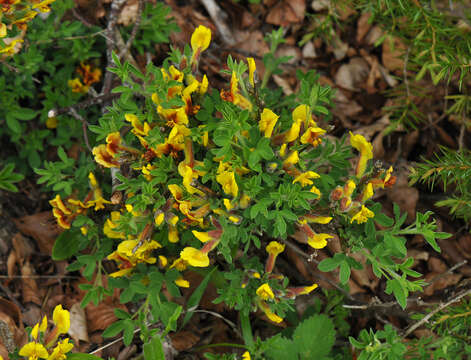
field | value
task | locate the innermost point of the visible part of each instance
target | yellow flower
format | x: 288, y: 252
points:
x: 138, y: 127
x: 39, y: 327
x: 366, y: 152
x: 246, y: 356
x: 252, y: 68
x: 305, y: 178
x: 200, y: 39
x: 362, y: 215
x: 308, y: 289
x: 303, y: 113
x: 173, y: 234
x: 33, y: 351
x: 292, y: 159
x: 195, y: 257
x: 234, y: 96
x: 11, y: 49
x: 61, y: 318
x: 103, y: 157
x: 228, y: 183
x: 312, y: 136
x: 275, y: 248
x: 61, y: 349
x: 179, y: 264
x: 270, y: 314
x: 159, y: 218
x: 130, y: 253
x: 318, y: 241
x: 3, y: 30
x: 264, y: 292
x: 317, y: 219
x: 367, y: 192
x: 77, y: 87
x: 293, y: 132
x: 110, y: 225
x: 181, y: 282
x: 244, y: 201
x: 51, y: 123
x: 162, y: 261
x: 202, y: 236
x: 267, y: 122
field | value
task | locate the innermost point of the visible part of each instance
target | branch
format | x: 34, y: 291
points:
x: 116, y: 6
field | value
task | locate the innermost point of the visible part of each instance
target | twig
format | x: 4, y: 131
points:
x: 219, y: 18
x: 116, y: 6
x: 82, y: 105
x: 438, y: 309
x: 462, y: 131
x: 134, y: 30
x: 404, y: 72
x: 230, y: 323
x: 81, y: 18
x: 76, y: 115
x: 449, y: 271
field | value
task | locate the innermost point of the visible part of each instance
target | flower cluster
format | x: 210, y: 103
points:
x: 18, y: 13
x: 88, y: 75
x: 65, y: 213
x: 44, y: 344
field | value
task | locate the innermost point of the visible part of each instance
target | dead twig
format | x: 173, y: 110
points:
x: 84, y: 122
x: 116, y: 7
x: 82, y: 105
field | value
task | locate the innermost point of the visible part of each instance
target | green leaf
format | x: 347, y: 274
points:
x: 172, y: 320
x: 396, y: 243
x: 13, y: 124
x: 24, y: 114
x: 153, y: 350
x: 314, y: 337
x: 383, y: 220
x: 66, y: 245
x: 82, y: 356
x: 327, y: 265
x: 395, y: 286
x: 344, y: 272
x: 195, y: 298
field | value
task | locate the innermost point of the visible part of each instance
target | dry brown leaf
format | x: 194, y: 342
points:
x: 10, y: 315
x: 441, y: 282
x: 128, y: 14
x: 29, y: 286
x: 100, y: 316
x: 42, y: 227
x: 283, y: 84
x: 184, y: 340
x: 363, y: 26
x: 78, y: 323
x: 344, y: 107
x: 436, y: 265
x: 374, y: 34
x: 320, y: 5
x: 287, y: 13
x: 309, y: 50
x: 350, y: 76
x: 464, y: 244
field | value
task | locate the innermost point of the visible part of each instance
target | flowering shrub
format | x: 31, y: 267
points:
x: 217, y: 181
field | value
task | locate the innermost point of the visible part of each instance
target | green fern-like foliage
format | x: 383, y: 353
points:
x: 452, y: 169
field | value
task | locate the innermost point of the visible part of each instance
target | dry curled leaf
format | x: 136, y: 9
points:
x: 78, y: 323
